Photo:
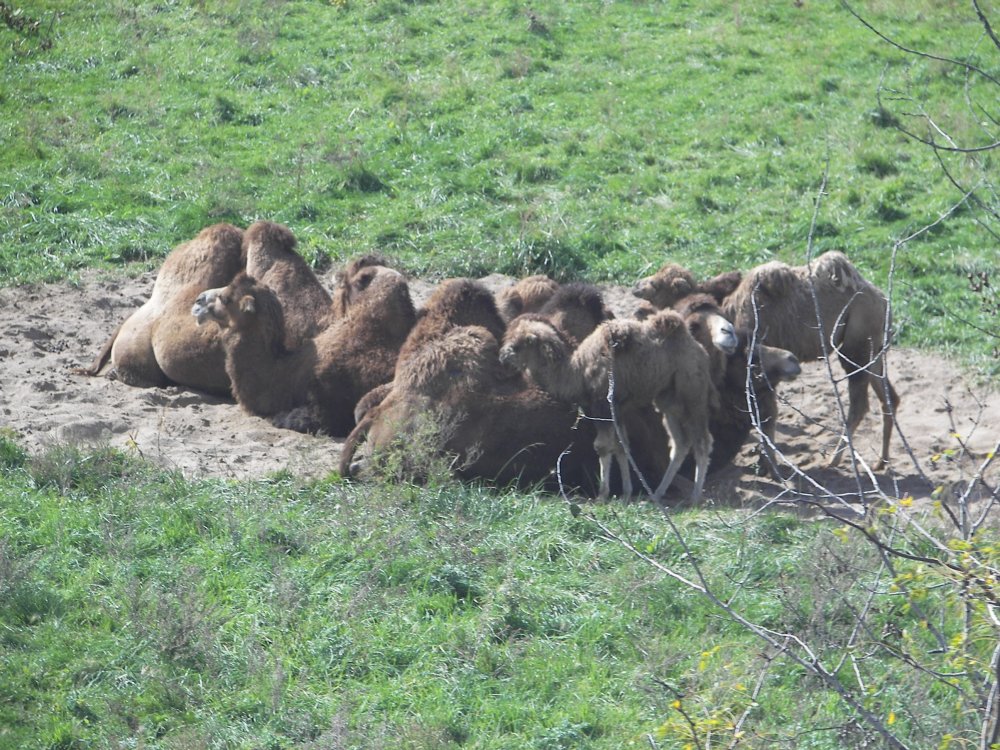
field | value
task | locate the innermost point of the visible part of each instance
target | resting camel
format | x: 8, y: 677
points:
x: 453, y: 303
x: 651, y: 362
x: 160, y: 343
x: 350, y: 282
x: 848, y: 317
x: 314, y: 387
x: 272, y: 260
x: 493, y: 426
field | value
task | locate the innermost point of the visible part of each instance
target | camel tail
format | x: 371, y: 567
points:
x: 102, y: 358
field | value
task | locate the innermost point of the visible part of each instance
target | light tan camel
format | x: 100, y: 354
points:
x: 650, y: 362
x: 160, y: 343
x: 824, y: 309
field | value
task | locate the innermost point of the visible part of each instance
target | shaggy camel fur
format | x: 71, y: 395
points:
x: 454, y: 303
x: 493, y: 426
x: 315, y: 386
x: 672, y: 283
x: 576, y: 309
x: 650, y: 362
x: 349, y: 282
x: 848, y: 317
x: 272, y: 260
x: 159, y: 343
x: 527, y: 295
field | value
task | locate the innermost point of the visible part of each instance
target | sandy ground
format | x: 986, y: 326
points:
x: 47, y: 330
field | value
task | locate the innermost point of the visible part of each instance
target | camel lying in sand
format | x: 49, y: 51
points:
x: 160, y: 343
x: 824, y: 309
x: 650, y: 362
x: 493, y: 426
x: 314, y: 387
x: 453, y: 303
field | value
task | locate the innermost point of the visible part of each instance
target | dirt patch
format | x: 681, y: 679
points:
x: 47, y: 330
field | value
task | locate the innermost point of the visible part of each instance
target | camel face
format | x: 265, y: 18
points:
x: 778, y: 365
x: 528, y: 337
x: 723, y: 333
x: 227, y: 305
x: 668, y: 285
x: 211, y: 305
x: 356, y: 286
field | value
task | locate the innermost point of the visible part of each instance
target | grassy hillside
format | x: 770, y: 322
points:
x: 140, y: 610
x: 582, y: 139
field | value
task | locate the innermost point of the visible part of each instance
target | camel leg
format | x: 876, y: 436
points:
x: 679, y: 448
x: 702, y: 455
x: 857, y: 396
x: 605, y: 448
x: 621, y: 456
x: 890, y: 401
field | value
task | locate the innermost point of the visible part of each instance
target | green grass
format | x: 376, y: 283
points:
x: 466, y: 138
x: 139, y: 609
x: 592, y: 140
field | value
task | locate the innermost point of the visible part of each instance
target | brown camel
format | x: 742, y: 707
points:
x: 160, y: 343
x: 314, y: 387
x: 824, y: 309
x: 453, y: 303
x: 650, y: 362
x: 493, y: 426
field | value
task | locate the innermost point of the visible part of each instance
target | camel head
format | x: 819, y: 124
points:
x: 235, y: 305
x: 707, y: 323
x: 355, y: 278
x: 665, y: 287
x: 531, y: 340
x: 777, y: 365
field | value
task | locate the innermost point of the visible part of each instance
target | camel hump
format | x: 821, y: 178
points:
x: 774, y: 279
x: 834, y: 268
x: 212, y: 257
x: 666, y: 323
x: 265, y: 242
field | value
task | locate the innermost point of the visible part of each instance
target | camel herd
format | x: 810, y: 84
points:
x: 523, y: 386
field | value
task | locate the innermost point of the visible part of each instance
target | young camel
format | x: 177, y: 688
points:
x: 655, y: 361
x: 494, y: 426
x: 314, y: 387
x: 735, y: 369
x: 824, y: 309
x: 159, y: 343
x: 454, y: 303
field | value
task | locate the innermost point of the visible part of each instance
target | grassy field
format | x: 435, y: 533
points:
x: 584, y: 140
x: 591, y: 140
x: 141, y: 610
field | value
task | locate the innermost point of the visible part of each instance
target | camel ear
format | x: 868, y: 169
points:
x: 681, y: 287
x: 248, y: 304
